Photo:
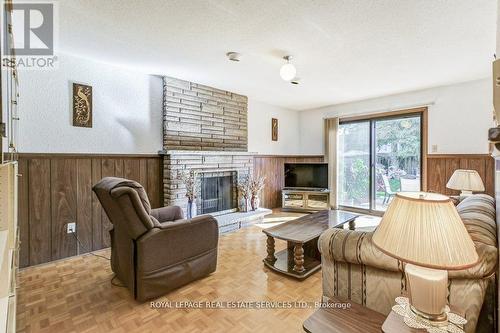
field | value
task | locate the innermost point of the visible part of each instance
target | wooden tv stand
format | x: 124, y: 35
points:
x: 304, y: 200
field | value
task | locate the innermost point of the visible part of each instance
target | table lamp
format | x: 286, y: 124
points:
x: 425, y: 231
x: 465, y: 181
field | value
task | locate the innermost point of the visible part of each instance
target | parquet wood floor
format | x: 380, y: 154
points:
x: 75, y: 295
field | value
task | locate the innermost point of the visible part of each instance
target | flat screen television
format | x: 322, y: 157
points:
x: 306, y: 175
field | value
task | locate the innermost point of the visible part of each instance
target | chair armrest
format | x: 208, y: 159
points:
x: 175, y: 242
x: 169, y: 213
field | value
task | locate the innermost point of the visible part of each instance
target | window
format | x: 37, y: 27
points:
x: 379, y: 157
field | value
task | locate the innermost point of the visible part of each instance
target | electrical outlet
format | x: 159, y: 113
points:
x: 71, y: 227
x: 434, y: 148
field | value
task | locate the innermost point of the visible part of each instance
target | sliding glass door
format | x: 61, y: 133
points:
x: 354, y: 164
x: 377, y: 158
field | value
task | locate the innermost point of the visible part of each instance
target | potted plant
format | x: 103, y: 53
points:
x: 256, y: 185
x: 189, y: 181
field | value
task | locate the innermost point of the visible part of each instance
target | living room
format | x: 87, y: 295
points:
x: 207, y: 166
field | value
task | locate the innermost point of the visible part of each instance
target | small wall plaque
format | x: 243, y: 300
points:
x: 274, y: 126
x: 82, y: 105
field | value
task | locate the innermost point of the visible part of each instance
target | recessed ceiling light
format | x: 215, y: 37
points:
x: 288, y: 70
x: 233, y: 56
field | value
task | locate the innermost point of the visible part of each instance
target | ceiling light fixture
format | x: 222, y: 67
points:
x: 233, y: 56
x: 288, y: 70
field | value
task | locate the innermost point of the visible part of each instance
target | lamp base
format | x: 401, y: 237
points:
x: 435, y: 320
x: 466, y: 193
x: 428, y: 289
x: 455, y: 322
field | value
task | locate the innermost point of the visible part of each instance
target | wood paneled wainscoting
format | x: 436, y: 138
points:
x: 441, y: 167
x: 272, y: 167
x: 439, y: 170
x: 56, y: 189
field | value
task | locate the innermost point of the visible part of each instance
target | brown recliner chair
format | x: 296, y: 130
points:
x: 155, y: 250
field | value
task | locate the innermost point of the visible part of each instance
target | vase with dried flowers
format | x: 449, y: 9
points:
x: 244, y: 191
x: 256, y: 184
x: 188, y: 178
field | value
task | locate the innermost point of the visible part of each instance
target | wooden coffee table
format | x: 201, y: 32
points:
x: 301, y: 258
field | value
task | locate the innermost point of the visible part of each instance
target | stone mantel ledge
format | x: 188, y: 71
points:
x: 206, y: 152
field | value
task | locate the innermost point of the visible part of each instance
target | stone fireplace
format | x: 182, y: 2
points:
x: 220, y: 169
x: 198, y: 117
x: 217, y: 192
x: 205, y: 130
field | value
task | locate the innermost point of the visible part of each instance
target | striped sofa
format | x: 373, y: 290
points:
x: 354, y: 269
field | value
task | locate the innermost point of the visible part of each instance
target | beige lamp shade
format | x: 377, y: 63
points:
x: 425, y: 229
x: 465, y: 180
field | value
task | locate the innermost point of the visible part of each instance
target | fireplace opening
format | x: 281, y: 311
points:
x: 217, y: 192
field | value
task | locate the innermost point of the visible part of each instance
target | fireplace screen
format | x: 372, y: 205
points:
x: 217, y: 193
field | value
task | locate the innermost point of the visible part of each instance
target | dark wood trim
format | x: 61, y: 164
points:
x: 459, y: 156
x: 290, y: 156
x: 56, y: 189
x: 37, y: 173
x: 442, y: 166
x: 86, y: 155
x: 439, y: 168
x: 272, y: 167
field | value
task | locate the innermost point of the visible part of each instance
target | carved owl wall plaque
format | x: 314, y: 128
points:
x: 82, y: 105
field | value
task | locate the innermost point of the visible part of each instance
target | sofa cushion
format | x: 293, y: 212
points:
x: 478, y: 214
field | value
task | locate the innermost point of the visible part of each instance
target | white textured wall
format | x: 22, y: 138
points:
x: 459, y: 119
x: 259, y: 129
x: 127, y: 114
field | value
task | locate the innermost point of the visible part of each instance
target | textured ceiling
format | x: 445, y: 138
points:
x: 344, y: 50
